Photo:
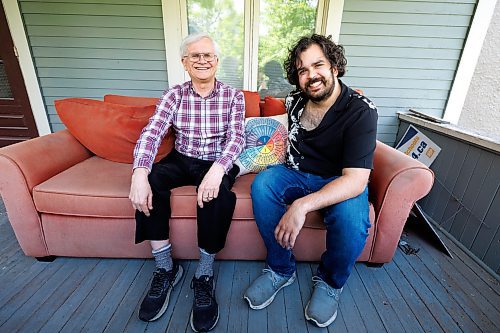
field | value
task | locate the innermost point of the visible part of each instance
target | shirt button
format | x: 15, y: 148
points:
x: 301, y: 157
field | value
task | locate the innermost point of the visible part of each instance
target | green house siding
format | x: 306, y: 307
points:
x: 404, y: 54
x: 84, y: 48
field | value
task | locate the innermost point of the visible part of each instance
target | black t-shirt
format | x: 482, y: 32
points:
x: 345, y: 138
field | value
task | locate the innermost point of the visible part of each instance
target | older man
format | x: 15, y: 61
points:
x: 332, y: 131
x: 208, y: 119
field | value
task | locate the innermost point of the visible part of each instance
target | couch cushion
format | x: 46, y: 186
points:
x: 99, y: 188
x: 109, y: 130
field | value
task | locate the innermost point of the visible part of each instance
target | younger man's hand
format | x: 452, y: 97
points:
x: 289, y: 227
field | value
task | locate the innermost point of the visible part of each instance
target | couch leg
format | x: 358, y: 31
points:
x: 46, y: 259
x: 374, y: 264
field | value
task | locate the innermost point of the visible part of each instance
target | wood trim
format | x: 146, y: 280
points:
x: 470, y: 55
x: 329, y: 18
x: 334, y: 19
x: 251, y: 44
x: 175, y: 28
x: 20, y: 41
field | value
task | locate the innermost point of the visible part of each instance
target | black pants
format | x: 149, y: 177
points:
x: 214, y: 219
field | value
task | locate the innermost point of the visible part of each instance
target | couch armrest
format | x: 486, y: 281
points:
x: 25, y: 165
x: 396, y: 183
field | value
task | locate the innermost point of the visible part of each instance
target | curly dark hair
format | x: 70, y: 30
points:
x: 333, y: 52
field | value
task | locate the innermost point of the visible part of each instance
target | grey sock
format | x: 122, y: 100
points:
x: 163, y: 258
x: 205, y: 266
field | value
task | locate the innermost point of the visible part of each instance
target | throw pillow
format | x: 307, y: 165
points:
x: 266, y: 139
x: 272, y: 106
x: 131, y: 100
x: 252, y: 101
x: 109, y: 130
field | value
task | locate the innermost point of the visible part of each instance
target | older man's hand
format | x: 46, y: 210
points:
x: 209, y: 186
x: 140, y: 191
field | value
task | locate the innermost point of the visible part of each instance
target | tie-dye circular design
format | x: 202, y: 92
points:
x: 265, y: 143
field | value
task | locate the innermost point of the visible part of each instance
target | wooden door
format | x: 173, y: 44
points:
x: 16, y: 118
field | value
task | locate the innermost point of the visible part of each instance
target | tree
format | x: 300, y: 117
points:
x: 286, y: 21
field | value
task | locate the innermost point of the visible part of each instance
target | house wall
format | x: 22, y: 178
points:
x: 481, y: 112
x: 465, y: 198
x: 404, y: 54
x: 84, y: 49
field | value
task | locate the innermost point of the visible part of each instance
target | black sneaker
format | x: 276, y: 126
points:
x: 155, y: 302
x: 205, y: 312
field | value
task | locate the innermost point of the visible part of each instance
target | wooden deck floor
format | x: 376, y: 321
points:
x: 415, y: 293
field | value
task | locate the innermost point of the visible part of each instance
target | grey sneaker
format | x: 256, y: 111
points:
x: 263, y: 290
x: 324, y: 302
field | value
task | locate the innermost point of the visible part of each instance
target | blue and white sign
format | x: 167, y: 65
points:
x: 418, y: 146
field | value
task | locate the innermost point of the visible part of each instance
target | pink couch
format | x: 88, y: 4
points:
x: 63, y: 201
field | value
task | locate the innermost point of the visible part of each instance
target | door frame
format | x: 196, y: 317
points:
x: 18, y: 35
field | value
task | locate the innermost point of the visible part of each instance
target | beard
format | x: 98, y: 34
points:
x: 323, y: 94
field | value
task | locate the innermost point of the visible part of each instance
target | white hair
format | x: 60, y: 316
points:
x: 193, y: 38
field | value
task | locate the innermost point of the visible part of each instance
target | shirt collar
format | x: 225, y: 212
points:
x: 214, y: 91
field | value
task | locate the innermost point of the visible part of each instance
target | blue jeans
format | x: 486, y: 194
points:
x: 346, y: 222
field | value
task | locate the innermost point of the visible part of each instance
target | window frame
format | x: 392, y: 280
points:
x: 175, y: 27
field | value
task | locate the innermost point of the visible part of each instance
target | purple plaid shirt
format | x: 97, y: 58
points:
x: 210, y: 128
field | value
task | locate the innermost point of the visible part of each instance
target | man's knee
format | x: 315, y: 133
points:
x: 263, y: 184
x: 350, y: 216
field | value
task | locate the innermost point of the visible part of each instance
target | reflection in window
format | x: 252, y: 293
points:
x: 223, y: 20
x: 5, y: 91
x: 282, y: 23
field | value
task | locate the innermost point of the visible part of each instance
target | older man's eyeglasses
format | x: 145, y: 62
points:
x: 195, y: 57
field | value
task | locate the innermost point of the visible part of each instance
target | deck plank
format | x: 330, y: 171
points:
x: 394, y: 298
x: 383, y: 306
x: 428, y: 292
x: 445, y: 320
x: 486, y: 316
x: 125, y: 310
x: 103, y: 313
x: 454, y: 309
x: 26, y: 308
x: 57, y: 298
x: 87, y: 307
x: 71, y: 304
x: 238, y: 311
x: 295, y: 319
x: 368, y: 312
x: 21, y: 289
x: 422, y: 313
x: 484, y: 282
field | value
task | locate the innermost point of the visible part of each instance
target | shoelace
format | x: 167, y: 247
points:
x: 158, y: 283
x: 332, y: 292
x: 202, y: 292
x: 275, y: 277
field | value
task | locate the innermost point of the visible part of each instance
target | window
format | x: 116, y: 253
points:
x: 253, y: 36
x: 223, y: 20
x: 281, y: 24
